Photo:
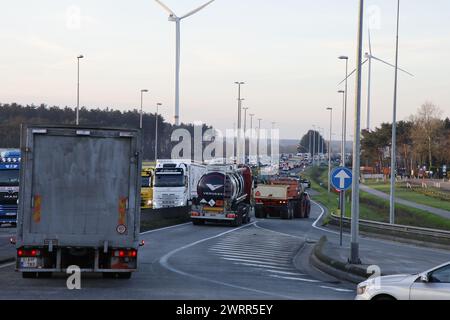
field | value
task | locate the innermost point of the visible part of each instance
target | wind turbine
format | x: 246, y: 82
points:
x: 369, y: 57
x: 174, y: 18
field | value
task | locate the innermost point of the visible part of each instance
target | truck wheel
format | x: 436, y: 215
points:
x: 297, y: 209
x: 308, y: 209
x: 124, y: 275
x: 291, y: 209
x: 29, y: 275
x: 238, y: 221
x: 259, y: 212
x: 284, y: 213
x: 197, y: 222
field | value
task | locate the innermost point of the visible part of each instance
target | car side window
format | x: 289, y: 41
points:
x: 441, y: 275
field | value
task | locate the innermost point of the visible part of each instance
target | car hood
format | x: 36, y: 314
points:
x: 395, y: 278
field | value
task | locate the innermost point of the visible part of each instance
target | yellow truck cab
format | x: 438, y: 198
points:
x: 147, y: 174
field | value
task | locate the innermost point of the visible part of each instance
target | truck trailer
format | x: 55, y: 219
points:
x: 225, y: 194
x: 79, y: 203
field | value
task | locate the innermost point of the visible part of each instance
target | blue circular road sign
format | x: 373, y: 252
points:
x: 341, y: 178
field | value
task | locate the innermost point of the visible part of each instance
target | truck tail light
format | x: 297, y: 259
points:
x: 195, y: 214
x: 28, y: 253
x: 125, y: 253
x: 231, y: 216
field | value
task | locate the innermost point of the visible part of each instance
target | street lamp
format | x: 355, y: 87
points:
x: 142, y: 100
x: 394, y: 128
x: 354, y: 253
x: 329, y: 150
x: 251, y: 115
x: 77, y: 120
x: 314, y: 146
x: 156, y: 130
x: 239, y: 84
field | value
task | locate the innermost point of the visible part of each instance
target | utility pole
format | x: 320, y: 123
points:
x: 354, y: 253
x: 156, y: 131
x: 394, y: 127
x: 239, y: 122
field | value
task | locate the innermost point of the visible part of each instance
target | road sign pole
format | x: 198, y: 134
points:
x: 354, y: 254
x: 341, y: 226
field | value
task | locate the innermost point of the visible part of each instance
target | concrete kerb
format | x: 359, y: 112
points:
x: 338, y: 269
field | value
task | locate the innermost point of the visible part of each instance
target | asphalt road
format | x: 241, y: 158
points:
x: 264, y: 260
x: 268, y: 259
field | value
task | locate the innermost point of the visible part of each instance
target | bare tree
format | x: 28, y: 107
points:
x: 427, y: 125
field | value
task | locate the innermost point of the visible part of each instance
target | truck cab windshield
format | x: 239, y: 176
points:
x: 169, y: 180
x: 9, y: 177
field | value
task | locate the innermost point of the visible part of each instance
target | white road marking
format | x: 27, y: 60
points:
x: 254, y: 261
x: 164, y: 261
x: 281, y: 233
x: 240, y: 255
x: 246, y: 246
x: 7, y: 265
x: 337, y: 289
x: 166, y: 228
x: 286, y: 273
x: 262, y: 253
x: 263, y: 266
x: 259, y: 245
x: 294, y: 278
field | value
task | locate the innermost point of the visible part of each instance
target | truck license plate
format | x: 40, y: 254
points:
x: 28, y: 262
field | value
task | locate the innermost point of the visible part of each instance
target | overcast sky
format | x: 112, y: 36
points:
x: 285, y: 50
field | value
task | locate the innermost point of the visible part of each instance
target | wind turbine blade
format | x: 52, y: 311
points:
x: 393, y: 66
x: 196, y: 10
x: 370, y: 43
x: 351, y: 73
x: 166, y: 8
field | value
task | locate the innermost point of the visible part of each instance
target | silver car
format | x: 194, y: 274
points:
x: 433, y: 284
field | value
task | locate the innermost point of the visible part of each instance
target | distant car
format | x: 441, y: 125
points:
x: 433, y: 284
x: 306, y: 183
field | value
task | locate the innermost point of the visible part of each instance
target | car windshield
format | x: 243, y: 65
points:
x: 169, y: 180
x: 9, y: 177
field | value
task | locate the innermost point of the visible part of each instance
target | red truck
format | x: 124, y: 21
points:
x: 282, y: 197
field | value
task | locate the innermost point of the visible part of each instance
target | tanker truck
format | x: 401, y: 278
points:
x: 225, y: 194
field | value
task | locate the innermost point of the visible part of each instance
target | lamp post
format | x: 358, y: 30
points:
x: 77, y: 120
x: 314, y: 146
x: 239, y: 122
x: 394, y: 128
x: 354, y: 253
x: 142, y: 102
x: 329, y: 150
x: 156, y: 130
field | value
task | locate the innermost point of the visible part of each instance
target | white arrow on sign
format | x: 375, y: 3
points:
x: 342, y: 176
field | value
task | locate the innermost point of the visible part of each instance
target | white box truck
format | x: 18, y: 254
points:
x: 79, y: 203
x: 176, y: 182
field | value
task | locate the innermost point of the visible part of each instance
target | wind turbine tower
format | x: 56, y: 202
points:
x: 174, y: 18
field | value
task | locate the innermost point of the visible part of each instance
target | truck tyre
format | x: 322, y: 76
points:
x: 124, y: 275
x: 238, y: 221
x: 197, y: 222
x: 291, y: 209
x: 29, y: 275
x: 259, y: 213
x: 297, y: 209
x: 284, y: 213
x: 308, y: 209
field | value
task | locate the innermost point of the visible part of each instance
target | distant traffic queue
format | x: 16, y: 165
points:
x: 9, y: 186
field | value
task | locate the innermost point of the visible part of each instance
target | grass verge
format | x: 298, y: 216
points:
x: 371, y: 207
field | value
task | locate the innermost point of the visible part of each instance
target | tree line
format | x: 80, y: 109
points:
x: 13, y: 115
x: 423, y: 140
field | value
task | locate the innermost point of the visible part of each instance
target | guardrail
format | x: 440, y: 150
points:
x: 441, y: 237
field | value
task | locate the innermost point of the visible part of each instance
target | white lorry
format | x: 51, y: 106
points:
x: 176, y: 183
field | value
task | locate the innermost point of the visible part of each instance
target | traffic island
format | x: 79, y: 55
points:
x: 332, y: 260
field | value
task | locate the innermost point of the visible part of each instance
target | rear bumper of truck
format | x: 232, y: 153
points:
x: 60, y: 259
